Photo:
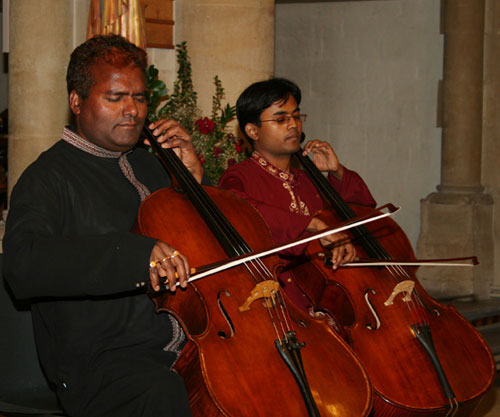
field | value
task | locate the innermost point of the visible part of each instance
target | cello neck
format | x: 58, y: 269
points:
x: 324, y: 187
x: 230, y: 240
x: 361, y: 233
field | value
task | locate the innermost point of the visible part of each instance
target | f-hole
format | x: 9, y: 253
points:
x: 221, y: 333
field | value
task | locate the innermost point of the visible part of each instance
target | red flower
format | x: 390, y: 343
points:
x: 205, y: 125
x: 238, y: 146
x: 202, y: 159
x: 231, y: 162
x: 217, y: 151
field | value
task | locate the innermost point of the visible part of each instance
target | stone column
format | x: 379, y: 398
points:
x: 457, y: 219
x: 491, y: 126
x: 233, y: 39
x: 40, y: 44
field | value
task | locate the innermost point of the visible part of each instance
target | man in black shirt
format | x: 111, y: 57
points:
x: 69, y: 246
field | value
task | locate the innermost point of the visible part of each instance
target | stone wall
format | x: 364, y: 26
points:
x: 491, y: 127
x: 369, y: 73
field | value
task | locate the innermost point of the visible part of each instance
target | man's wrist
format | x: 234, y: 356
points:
x: 339, y: 173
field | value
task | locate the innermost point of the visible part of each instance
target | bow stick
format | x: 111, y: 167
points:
x: 210, y: 269
x: 466, y: 261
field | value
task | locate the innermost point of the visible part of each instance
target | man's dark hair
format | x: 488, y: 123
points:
x: 261, y: 95
x: 102, y: 49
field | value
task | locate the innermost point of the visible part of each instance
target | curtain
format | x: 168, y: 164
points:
x: 122, y: 17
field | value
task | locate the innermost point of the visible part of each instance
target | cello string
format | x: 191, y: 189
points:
x: 199, y: 198
x: 281, y: 301
x: 416, y: 311
x: 417, y: 304
x: 210, y: 210
x: 258, y: 270
x: 268, y: 307
x: 453, y: 407
x: 262, y: 270
x: 416, y: 301
x: 273, y: 321
x: 226, y: 234
x: 284, y: 309
x: 260, y: 265
x: 367, y: 240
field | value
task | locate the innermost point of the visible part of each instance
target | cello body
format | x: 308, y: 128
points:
x: 231, y: 364
x: 399, y: 332
x: 423, y: 358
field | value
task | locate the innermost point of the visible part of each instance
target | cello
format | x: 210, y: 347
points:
x: 423, y: 358
x: 248, y: 351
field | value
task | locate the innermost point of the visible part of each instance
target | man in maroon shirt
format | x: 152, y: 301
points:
x: 269, y: 116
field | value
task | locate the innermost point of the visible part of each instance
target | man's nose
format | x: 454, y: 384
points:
x: 292, y: 122
x: 130, y: 107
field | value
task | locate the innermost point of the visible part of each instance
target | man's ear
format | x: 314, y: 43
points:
x: 74, y: 102
x: 252, y: 131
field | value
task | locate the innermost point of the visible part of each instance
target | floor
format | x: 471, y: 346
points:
x: 490, y: 406
x: 486, y: 316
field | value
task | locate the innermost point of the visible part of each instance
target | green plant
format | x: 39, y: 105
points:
x: 217, y: 147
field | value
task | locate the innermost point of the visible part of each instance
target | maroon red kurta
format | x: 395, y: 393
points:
x: 288, y: 200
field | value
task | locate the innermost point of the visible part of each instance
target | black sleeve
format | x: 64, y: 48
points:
x: 41, y: 261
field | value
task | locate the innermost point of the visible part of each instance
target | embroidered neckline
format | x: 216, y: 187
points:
x: 78, y: 142
x: 271, y: 169
x: 287, y: 181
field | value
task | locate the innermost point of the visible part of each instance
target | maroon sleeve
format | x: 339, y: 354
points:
x: 352, y: 188
x: 284, y: 225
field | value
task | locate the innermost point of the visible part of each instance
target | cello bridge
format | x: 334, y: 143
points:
x: 265, y: 289
x: 403, y: 287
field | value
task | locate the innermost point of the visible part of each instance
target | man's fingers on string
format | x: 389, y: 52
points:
x: 336, y: 257
x: 187, y: 270
x: 350, y: 253
x: 154, y: 278
x: 170, y: 268
x: 181, y: 271
x: 169, y: 274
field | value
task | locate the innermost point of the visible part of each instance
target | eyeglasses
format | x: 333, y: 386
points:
x: 285, y: 119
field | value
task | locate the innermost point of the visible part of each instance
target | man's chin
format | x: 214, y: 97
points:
x: 127, y: 142
x: 293, y: 144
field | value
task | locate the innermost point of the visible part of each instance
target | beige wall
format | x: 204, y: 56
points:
x: 369, y: 73
x: 39, y: 45
x: 491, y: 126
x: 4, y: 76
x: 233, y: 39
x: 221, y: 40
x: 221, y: 36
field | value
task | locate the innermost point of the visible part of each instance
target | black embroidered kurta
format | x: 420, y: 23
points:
x: 69, y: 245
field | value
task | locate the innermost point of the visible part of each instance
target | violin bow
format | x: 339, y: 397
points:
x: 210, y: 269
x: 465, y: 261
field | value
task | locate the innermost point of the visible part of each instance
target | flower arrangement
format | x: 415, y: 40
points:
x: 217, y: 148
